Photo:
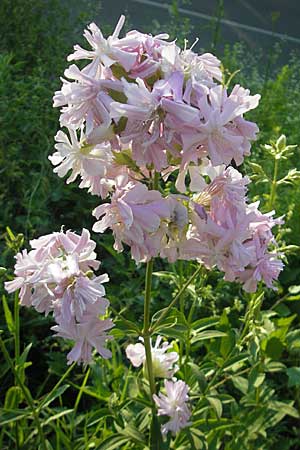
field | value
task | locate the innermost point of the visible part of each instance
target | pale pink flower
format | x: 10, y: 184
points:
x: 93, y: 163
x: 107, y: 51
x: 87, y: 335
x: 86, y: 99
x: 149, y: 49
x: 163, y: 361
x: 55, y: 273
x: 174, y: 231
x: 57, y: 276
x: 212, y: 125
x: 145, y: 127
x: 174, y: 405
x: 134, y: 213
x: 199, y: 70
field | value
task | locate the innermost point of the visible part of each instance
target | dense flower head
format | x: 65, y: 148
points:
x: 143, y: 112
x: 134, y: 215
x: 57, y: 276
x: 163, y: 361
x: 174, y: 405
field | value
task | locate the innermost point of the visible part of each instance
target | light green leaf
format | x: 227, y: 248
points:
x: 57, y: 416
x: 295, y: 289
x: 59, y: 391
x: 294, y: 376
x: 8, y: 315
x: 206, y: 322
x: 112, y: 443
x: 285, y: 408
x: 240, y: 383
x: 199, y: 375
x: 208, y: 334
x: 216, y: 405
x: 173, y: 325
x: 236, y: 362
x: 13, y: 397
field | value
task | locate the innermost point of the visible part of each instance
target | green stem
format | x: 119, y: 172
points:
x: 274, y: 184
x: 17, y: 350
x: 155, y: 436
x: 146, y: 329
x: 26, y: 394
x: 17, y: 327
x: 177, y: 296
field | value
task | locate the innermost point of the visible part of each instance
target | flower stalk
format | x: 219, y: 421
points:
x: 154, y: 431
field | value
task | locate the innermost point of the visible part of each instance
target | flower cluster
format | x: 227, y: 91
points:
x: 57, y: 276
x: 143, y: 112
x: 163, y: 361
x: 174, y: 405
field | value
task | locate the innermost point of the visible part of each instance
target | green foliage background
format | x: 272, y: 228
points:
x: 254, y: 399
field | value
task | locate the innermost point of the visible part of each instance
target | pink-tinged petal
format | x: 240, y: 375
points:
x: 12, y: 286
x: 100, y: 210
x: 102, y: 225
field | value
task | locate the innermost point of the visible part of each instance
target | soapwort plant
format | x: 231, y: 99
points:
x: 153, y: 131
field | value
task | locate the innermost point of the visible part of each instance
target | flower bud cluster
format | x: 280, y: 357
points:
x: 57, y: 276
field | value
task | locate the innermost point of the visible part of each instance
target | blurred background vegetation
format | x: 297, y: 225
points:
x: 36, y: 36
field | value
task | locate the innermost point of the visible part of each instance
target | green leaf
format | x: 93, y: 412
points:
x: 13, y: 397
x: 285, y: 408
x: 173, y: 325
x: 216, y: 405
x: 240, y: 383
x: 130, y: 328
x: 295, y: 289
x: 203, y: 324
x: 208, y: 334
x: 236, y: 362
x: 24, y: 355
x: 112, y: 443
x: 198, y: 439
x: 294, y: 376
x: 199, y: 375
x: 59, y: 391
x: 133, y: 433
x: 8, y: 315
x: 259, y: 174
x: 293, y: 340
x: 255, y: 379
x: 57, y: 416
x: 227, y: 343
x: 124, y: 158
x: 274, y: 348
x: 13, y: 415
x: 274, y: 366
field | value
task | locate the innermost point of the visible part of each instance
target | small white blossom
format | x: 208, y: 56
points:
x: 163, y: 361
x: 174, y: 405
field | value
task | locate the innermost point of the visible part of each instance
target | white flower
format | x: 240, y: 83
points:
x: 163, y: 362
x: 174, y: 405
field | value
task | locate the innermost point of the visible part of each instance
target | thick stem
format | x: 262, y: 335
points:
x: 17, y: 327
x: 146, y: 333
x: 155, y: 437
x: 17, y: 350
